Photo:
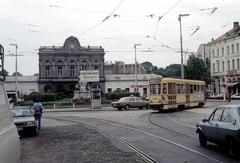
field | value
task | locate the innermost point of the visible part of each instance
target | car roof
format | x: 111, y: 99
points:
x: 21, y: 107
x: 230, y: 106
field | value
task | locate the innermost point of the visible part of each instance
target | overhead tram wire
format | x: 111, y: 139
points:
x: 160, y: 17
x: 59, y: 6
x: 106, y: 18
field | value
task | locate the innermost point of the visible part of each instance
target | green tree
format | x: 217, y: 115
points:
x: 18, y: 74
x: 173, y: 70
x: 4, y: 72
x: 157, y: 70
x: 196, y: 69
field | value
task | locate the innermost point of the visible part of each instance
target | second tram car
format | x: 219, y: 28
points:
x: 172, y: 93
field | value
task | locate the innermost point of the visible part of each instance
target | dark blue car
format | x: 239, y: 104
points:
x: 222, y: 127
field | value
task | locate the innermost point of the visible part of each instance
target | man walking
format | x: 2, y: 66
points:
x: 37, y: 108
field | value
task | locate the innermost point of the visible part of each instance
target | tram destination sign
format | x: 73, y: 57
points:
x: 89, y: 76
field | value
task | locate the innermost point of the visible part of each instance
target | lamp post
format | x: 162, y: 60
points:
x: 2, y: 61
x: 16, y: 81
x: 181, y: 44
x: 135, y: 48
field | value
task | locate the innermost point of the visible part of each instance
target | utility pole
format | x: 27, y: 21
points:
x: 2, y: 62
x: 181, y: 44
x: 16, y: 80
x: 136, y: 86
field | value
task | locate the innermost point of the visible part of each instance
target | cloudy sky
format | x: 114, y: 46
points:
x: 116, y: 25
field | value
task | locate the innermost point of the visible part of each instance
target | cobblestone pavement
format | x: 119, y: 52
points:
x: 60, y: 142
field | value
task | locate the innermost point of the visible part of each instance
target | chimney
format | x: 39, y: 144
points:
x: 235, y: 26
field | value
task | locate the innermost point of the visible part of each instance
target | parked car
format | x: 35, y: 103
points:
x: 24, y: 120
x: 130, y: 102
x: 9, y: 139
x: 216, y: 96
x: 235, y: 96
x: 222, y: 127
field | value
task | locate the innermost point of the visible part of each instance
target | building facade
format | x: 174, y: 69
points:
x: 225, y: 61
x: 25, y: 85
x: 60, y: 66
x: 127, y: 82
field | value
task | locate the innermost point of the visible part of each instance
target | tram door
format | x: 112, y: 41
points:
x: 96, y: 98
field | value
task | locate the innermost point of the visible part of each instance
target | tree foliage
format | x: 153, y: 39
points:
x: 18, y: 74
x: 196, y: 69
x: 4, y: 72
x: 158, y: 71
x: 173, y: 70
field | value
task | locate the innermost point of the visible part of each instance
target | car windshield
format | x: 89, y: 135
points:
x: 124, y: 99
x: 21, y: 113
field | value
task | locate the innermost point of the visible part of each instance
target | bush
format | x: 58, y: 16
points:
x: 119, y: 94
x: 44, y: 97
x: 41, y: 96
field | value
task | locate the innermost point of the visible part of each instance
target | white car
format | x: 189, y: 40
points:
x: 235, y: 96
x: 24, y: 120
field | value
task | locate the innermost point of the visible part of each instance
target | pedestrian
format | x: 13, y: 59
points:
x: 229, y: 97
x: 37, y: 109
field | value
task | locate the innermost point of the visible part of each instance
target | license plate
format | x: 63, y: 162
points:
x: 19, y: 128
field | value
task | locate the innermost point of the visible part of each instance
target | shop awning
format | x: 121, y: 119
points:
x: 230, y: 84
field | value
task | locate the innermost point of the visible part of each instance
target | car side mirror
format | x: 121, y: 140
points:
x: 234, y: 122
x: 205, y: 120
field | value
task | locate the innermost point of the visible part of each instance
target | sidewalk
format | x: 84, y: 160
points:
x: 82, y: 109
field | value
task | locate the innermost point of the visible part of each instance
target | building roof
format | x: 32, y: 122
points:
x: 234, y: 32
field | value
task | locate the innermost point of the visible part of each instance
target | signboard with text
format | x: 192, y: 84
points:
x: 89, y: 76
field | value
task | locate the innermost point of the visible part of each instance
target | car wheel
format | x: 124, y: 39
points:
x: 202, y: 140
x: 147, y: 106
x: 127, y: 107
x: 232, y: 148
x: 119, y: 109
x: 35, y: 131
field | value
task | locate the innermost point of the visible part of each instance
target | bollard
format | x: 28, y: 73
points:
x: 54, y: 106
x: 73, y: 105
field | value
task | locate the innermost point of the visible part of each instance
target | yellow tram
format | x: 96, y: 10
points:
x: 172, y: 93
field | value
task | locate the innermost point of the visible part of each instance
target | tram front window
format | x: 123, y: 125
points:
x: 155, y: 89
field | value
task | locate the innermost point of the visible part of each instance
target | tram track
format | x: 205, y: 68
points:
x: 137, y: 150
x: 166, y: 128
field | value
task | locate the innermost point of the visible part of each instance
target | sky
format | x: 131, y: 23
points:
x: 116, y: 25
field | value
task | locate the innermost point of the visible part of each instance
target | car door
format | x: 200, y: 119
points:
x: 211, y: 130
x: 131, y: 102
x: 138, y: 102
x: 226, y: 125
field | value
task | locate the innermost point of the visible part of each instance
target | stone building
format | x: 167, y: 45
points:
x: 225, y: 61
x: 119, y: 67
x: 60, y: 66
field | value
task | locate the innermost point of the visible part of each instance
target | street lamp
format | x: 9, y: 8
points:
x: 2, y: 61
x: 16, y: 81
x: 135, y: 48
x: 179, y: 19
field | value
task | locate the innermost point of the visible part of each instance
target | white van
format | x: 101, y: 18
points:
x: 9, y: 139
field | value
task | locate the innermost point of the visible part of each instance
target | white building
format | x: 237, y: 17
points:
x: 225, y: 64
x: 26, y: 85
x: 127, y: 82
